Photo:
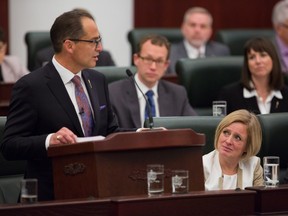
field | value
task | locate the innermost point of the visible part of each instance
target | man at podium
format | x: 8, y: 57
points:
x: 60, y: 101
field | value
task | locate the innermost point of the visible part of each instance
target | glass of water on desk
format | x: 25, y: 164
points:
x: 219, y: 108
x: 29, y: 191
x: 271, y: 171
x: 155, y: 179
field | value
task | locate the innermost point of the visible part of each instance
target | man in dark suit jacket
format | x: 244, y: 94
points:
x: 44, y: 110
x: 151, y: 62
x: 46, y: 54
x: 197, y: 31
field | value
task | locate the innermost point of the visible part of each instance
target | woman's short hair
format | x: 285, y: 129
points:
x: 254, y: 132
x: 260, y: 44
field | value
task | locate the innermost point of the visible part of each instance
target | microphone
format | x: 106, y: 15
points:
x: 150, y: 118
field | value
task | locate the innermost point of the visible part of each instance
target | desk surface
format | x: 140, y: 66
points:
x: 272, y: 201
x: 193, y: 203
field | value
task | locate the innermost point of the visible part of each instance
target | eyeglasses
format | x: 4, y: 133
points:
x: 94, y: 41
x: 149, y: 61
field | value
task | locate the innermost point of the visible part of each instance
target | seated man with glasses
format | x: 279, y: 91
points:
x: 280, y: 24
x: 165, y: 98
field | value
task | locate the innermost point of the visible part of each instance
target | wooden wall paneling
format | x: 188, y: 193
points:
x: 226, y: 13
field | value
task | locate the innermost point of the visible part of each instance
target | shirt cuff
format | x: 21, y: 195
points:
x: 47, y: 141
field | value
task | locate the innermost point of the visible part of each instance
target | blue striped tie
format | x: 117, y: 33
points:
x: 151, y: 103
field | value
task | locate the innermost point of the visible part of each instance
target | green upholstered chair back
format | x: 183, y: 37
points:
x: 275, y: 136
x: 203, y: 79
x: 173, y: 35
x: 114, y: 73
x: 236, y: 38
x: 11, y: 173
x: 200, y: 124
x: 35, y: 41
x: 9, y: 167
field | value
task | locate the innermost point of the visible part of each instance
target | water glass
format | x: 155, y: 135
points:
x: 180, y: 181
x: 219, y: 108
x: 271, y: 171
x: 155, y: 179
x: 29, y: 191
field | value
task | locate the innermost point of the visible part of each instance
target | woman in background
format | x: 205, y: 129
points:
x: 10, y: 67
x: 233, y: 163
x: 261, y: 89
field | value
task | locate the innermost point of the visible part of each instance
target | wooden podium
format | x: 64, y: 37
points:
x: 116, y: 166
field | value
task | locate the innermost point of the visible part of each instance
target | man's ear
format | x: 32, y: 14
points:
x: 68, y: 45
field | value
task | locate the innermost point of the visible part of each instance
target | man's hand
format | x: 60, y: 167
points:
x: 63, y: 136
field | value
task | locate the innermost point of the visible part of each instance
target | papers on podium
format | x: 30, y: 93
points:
x: 89, y: 139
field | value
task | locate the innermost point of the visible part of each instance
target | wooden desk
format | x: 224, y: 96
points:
x: 271, y: 201
x: 111, y: 169
x: 194, y: 203
x: 5, y: 91
x: 5, y: 95
x: 101, y: 207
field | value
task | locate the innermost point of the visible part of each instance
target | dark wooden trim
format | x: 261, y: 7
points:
x: 4, y: 17
x: 226, y: 13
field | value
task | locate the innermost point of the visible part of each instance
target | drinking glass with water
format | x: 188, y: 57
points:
x: 271, y: 171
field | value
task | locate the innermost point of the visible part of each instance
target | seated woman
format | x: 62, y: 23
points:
x: 261, y: 89
x: 233, y: 163
x: 10, y: 67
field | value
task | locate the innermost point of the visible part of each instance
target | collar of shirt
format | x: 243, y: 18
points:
x: 64, y: 73
x: 193, y: 52
x: 264, y: 106
x: 144, y: 88
x: 252, y: 93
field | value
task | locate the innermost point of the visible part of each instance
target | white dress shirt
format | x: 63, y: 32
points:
x: 214, y: 177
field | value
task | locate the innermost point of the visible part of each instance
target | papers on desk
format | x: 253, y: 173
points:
x: 89, y: 139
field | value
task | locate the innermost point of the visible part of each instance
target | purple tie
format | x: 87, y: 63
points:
x: 84, y: 107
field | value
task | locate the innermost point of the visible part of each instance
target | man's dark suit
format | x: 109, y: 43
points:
x: 233, y: 94
x: 40, y: 106
x: 172, y: 101
x: 46, y: 54
x: 178, y: 51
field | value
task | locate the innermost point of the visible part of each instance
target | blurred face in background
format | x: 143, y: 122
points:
x: 151, y: 63
x: 3, y: 47
x: 197, y: 28
x: 260, y: 64
x: 282, y: 31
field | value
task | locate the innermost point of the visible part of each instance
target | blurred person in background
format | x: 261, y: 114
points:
x: 261, y: 89
x: 197, y: 31
x: 10, y: 67
x: 280, y: 24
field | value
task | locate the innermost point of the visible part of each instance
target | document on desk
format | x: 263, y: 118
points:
x: 89, y: 139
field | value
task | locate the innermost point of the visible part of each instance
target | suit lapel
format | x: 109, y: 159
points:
x: 131, y: 97
x: 252, y: 104
x: 164, y: 101
x: 58, y: 89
